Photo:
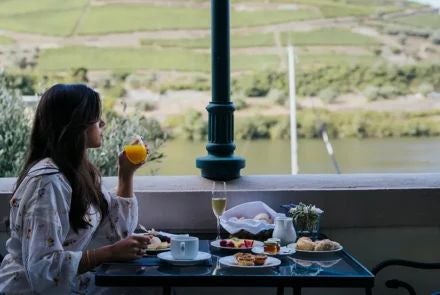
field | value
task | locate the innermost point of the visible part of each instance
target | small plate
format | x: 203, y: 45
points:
x: 230, y: 261
x: 284, y: 251
x: 293, y: 246
x: 321, y: 263
x: 216, y: 244
x: 156, y: 251
x: 166, y: 256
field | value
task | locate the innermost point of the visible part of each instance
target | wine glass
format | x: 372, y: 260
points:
x: 218, y: 202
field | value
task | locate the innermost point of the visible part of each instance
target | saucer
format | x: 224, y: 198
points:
x: 284, y: 251
x: 166, y: 256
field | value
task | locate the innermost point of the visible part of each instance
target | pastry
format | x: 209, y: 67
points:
x: 326, y: 245
x: 305, y: 243
x: 244, y: 259
x: 155, y: 243
x: 260, y: 259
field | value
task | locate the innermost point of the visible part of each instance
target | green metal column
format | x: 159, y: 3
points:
x: 220, y: 163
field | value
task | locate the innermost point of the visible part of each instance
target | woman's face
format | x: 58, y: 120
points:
x: 94, y: 134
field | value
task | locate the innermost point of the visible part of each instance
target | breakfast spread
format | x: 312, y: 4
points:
x: 247, y: 259
x: 306, y: 244
x: 236, y: 243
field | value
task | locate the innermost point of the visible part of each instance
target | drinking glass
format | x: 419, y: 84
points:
x: 218, y: 203
x: 136, y: 151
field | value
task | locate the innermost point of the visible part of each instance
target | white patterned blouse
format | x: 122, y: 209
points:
x: 43, y: 251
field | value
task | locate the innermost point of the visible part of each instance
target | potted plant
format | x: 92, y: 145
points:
x: 306, y: 219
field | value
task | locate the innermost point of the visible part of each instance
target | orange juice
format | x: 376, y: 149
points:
x: 136, y: 153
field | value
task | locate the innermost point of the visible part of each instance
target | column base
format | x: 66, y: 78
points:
x: 220, y: 168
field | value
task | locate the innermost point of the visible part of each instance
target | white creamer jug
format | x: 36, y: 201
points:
x: 284, y: 230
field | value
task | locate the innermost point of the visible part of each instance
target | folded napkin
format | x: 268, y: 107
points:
x: 241, y: 218
x: 142, y: 230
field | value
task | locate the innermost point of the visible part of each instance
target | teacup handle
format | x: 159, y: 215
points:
x: 182, y: 247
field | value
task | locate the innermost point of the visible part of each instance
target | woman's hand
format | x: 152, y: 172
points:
x: 126, y: 173
x: 130, y: 248
x: 127, y: 168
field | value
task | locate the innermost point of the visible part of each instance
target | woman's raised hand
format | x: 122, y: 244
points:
x: 132, y: 157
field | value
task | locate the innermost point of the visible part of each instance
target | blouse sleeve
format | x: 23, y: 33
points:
x: 45, y: 227
x: 121, y: 221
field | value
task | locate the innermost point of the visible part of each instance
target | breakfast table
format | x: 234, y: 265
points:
x: 296, y: 271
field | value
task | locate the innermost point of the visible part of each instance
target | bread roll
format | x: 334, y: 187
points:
x: 263, y: 216
x: 305, y: 243
x: 326, y: 245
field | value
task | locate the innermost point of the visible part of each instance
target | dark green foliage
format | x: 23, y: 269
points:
x: 25, y: 84
x: 259, y: 84
x: 390, y: 80
x: 14, y: 129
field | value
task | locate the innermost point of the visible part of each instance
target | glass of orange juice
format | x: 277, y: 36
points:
x: 136, y: 152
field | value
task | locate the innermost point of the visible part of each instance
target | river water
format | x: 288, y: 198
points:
x: 390, y: 155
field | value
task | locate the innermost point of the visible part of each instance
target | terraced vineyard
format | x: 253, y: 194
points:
x: 150, y: 53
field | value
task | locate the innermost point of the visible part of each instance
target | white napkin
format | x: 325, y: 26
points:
x: 162, y: 233
x: 231, y: 222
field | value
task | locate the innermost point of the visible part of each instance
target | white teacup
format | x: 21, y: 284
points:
x: 184, y: 247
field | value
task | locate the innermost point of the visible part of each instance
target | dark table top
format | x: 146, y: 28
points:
x: 338, y: 269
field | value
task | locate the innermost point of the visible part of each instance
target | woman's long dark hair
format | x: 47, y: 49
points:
x: 59, y: 132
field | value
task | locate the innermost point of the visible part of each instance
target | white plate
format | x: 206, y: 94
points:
x: 293, y: 246
x: 216, y: 244
x: 284, y: 251
x: 230, y: 261
x: 166, y: 256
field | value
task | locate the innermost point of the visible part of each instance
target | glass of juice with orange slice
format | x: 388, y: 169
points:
x: 136, y: 152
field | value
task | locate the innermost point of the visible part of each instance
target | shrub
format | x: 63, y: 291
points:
x: 388, y: 91
x: 146, y: 106
x: 259, y: 84
x: 396, y: 50
x: 372, y: 93
x: 14, y: 130
x: 328, y: 95
x: 425, y: 88
x: 435, y: 38
x: 25, y: 84
x: 240, y: 104
x: 190, y: 126
x: 281, y: 130
x: 257, y: 127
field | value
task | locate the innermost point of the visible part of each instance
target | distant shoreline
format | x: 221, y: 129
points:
x: 433, y: 3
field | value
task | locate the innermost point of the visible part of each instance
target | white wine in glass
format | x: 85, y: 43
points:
x: 218, y: 203
x: 218, y: 206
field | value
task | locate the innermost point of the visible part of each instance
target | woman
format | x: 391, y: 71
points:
x: 61, y: 216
